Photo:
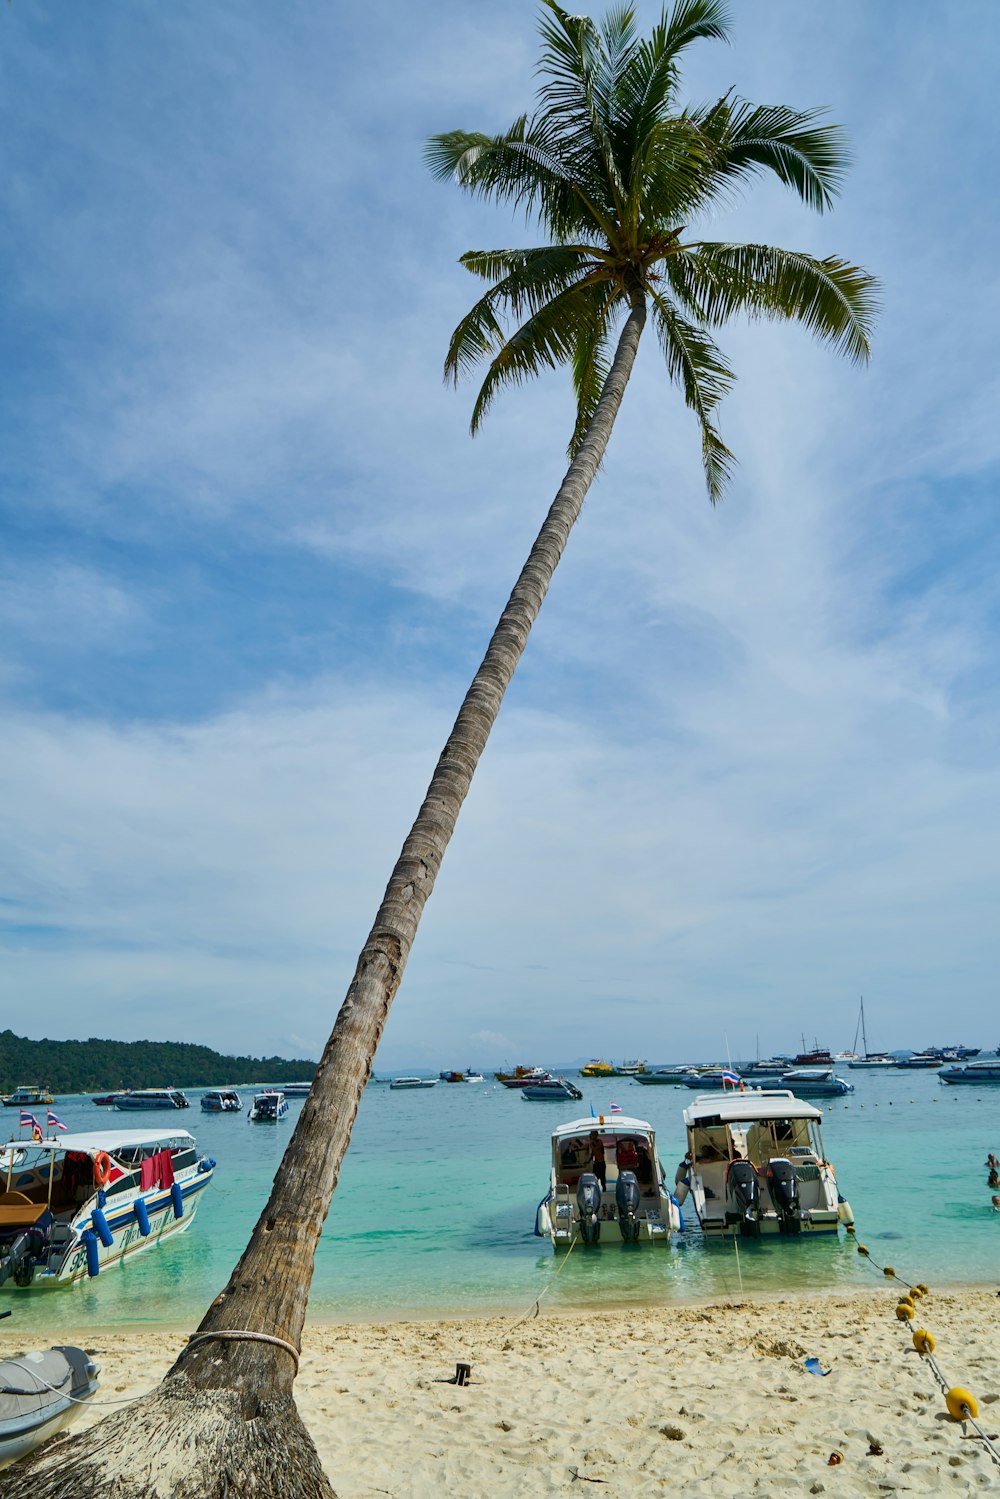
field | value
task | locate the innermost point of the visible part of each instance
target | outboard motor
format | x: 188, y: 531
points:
x: 588, y: 1200
x: 743, y: 1187
x: 784, y: 1188
x: 627, y: 1196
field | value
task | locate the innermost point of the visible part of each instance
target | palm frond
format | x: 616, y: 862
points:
x: 806, y: 156
x: 704, y: 376
x: 532, y: 278
x: 836, y: 301
x: 547, y: 339
x: 591, y: 359
x: 575, y: 98
x: 521, y: 167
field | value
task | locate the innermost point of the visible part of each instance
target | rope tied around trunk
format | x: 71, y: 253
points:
x: 247, y: 1337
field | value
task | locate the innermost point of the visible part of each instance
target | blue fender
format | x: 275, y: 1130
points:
x: 93, y: 1256
x: 177, y: 1198
x: 141, y: 1216
x: 101, y: 1228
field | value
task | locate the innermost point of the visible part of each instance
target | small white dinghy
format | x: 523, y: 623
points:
x: 40, y: 1393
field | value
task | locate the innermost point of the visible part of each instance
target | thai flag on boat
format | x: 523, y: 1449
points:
x: 732, y: 1078
x: 615, y: 1108
x: 36, y: 1128
x: 54, y: 1121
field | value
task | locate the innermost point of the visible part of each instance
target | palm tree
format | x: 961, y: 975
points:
x: 614, y: 169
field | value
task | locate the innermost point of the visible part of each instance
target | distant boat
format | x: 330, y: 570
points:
x: 629, y: 1069
x: 972, y: 1072
x: 295, y: 1090
x: 815, y: 1082
x: 552, y: 1088
x: 413, y: 1082
x: 520, y: 1076
x: 451, y: 1077
x: 222, y: 1101
x: 870, y: 1058
x: 268, y: 1107
x: 151, y: 1098
x: 472, y: 1076
x: 40, y: 1393
x: 663, y: 1076
x: 27, y: 1095
x: 596, y: 1068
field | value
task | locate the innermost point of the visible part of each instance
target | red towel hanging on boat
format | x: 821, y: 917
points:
x: 148, y: 1173
x: 166, y: 1168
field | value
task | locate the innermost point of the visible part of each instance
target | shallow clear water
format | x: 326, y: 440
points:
x: 434, y: 1214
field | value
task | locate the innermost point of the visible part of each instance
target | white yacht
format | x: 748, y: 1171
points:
x: 605, y: 1174
x: 755, y: 1165
x: 76, y: 1206
x: 413, y: 1082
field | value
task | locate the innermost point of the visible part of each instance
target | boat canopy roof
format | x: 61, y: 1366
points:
x: 111, y: 1141
x: 763, y: 1103
x: 619, y: 1124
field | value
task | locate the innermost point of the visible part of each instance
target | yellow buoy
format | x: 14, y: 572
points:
x: 961, y: 1404
x: 904, y: 1311
x: 921, y: 1288
x: 863, y: 1249
x: 906, y: 1300
x: 890, y: 1272
x: 924, y: 1341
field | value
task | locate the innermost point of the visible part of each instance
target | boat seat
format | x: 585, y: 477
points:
x: 18, y: 1211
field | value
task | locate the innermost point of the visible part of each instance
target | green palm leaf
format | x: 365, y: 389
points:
x: 615, y: 169
x: 834, y: 300
x: 703, y: 374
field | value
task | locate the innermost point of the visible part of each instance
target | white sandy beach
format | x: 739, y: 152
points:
x: 694, y: 1400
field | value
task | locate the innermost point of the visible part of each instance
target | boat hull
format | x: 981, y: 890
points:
x: 127, y: 1239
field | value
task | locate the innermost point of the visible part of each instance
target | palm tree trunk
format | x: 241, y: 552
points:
x: 223, y: 1387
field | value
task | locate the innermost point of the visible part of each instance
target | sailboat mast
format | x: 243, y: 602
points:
x: 864, y: 1037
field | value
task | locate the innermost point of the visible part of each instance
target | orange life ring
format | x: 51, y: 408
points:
x: 102, y: 1168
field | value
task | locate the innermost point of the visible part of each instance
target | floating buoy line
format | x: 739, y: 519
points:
x: 961, y: 1404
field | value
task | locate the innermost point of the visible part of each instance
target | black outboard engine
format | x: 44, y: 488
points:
x: 588, y: 1200
x: 627, y: 1196
x: 743, y: 1187
x: 784, y: 1188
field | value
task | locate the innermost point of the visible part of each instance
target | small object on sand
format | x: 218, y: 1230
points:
x: 834, y: 1459
x: 815, y: 1367
x: 462, y: 1372
x: 875, y: 1449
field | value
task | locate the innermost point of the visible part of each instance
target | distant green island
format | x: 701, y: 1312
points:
x: 104, y: 1066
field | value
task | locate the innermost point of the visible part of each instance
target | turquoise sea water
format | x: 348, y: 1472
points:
x: 435, y: 1211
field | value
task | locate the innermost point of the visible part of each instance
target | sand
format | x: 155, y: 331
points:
x: 700, y: 1399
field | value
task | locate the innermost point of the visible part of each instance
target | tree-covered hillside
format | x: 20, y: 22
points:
x: 96, y: 1065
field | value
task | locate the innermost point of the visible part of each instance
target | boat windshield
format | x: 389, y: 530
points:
x: 758, y: 1141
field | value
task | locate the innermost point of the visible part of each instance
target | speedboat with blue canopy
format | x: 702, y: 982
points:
x: 606, y: 1176
x: 78, y: 1205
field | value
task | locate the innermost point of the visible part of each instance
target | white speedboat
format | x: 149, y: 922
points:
x: 413, y: 1082
x: 268, y: 1107
x: 222, y: 1101
x: 76, y: 1206
x: 40, y: 1394
x: 755, y: 1165
x: 605, y: 1174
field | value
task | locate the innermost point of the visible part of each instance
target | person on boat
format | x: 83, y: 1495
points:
x: 597, y: 1159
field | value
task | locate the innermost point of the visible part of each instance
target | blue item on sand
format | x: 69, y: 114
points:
x: 815, y: 1367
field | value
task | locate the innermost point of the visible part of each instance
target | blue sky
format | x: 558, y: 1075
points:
x: 251, y: 557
